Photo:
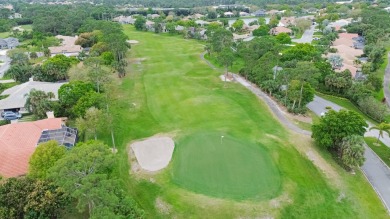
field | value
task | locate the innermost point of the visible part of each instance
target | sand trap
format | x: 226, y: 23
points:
x: 154, y: 153
x: 132, y: 41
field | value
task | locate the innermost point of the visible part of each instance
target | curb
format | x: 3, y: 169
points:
x: 377, y: 192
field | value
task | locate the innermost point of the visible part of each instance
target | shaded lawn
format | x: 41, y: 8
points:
x: 345, y: 103
x: 380, y: 149
x: 174, y: 91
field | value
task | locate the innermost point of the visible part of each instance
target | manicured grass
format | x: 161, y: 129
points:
x: 225, y: 167
x: 238, y: 63
x: 173, y: 91
x: 27, y: 27
x: 379, y: 148
x: 345, y: 103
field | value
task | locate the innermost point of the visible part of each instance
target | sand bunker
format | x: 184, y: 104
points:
x: 154, y: 153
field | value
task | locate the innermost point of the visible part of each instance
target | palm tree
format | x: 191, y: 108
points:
x: 383, y: 127
x: 351, y: 151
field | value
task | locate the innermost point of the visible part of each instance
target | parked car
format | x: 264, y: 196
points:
x: 8, y: 115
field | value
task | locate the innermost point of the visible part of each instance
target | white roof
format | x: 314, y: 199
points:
x: 201, y: 22
x: 17, y: 94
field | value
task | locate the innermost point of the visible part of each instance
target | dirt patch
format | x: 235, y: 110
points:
x: 304, y: 145
x: 228, y: 78
x: 137, y: 61
x: 162, y: 206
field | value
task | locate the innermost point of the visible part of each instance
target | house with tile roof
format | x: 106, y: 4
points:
x: 67, y: 47
x: 277, y: 30
x: 18, y: 142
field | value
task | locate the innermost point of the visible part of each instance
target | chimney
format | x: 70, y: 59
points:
x: 50, y: 114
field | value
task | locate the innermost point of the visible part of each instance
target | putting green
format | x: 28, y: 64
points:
x: 232, y: 169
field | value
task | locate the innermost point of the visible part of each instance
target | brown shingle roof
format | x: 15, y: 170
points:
x: 18, y: 142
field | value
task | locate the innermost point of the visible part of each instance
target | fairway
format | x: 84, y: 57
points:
x: 255, y: 173
x: 224, y: 167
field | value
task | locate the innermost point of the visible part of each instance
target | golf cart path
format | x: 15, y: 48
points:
x: 376, y: 172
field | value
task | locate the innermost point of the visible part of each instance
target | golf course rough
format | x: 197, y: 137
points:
x: 225, y: 167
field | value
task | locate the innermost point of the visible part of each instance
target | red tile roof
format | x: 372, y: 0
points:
x: 18, y: 142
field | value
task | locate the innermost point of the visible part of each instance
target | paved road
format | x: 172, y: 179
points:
x: 4, y: 66
x: 377, y: 173
x: 386, y: 81
x: 307, y: 36
x: 280, y: 114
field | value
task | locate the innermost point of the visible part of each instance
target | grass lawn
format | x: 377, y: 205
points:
x: 225, y: 167
x: 380, y: 149
x: 4, y: 34
x: 238, y: 63
x: 345, y: 103
x: 380, y: 73
x: 27, y: 27
x: 173, y: 91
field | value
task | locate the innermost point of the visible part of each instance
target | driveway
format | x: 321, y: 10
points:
x: 377, y: 173
x: 307, y: 36
x: 5, y: 62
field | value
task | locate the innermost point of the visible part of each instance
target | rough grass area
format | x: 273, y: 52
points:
x: 379, y: 148
x: 225, y: 167
x: 174, y: 91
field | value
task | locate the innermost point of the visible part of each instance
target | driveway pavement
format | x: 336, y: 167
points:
x: 307, y: 36
x: 377, y: 173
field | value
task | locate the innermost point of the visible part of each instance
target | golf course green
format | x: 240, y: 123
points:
x: 226, y: 167
x: 257, y: 171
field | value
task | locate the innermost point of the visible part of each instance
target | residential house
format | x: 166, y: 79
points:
x: 124, y: 19
x: 18, y: 142
x: 237, y: 37
x: 15, y: 16
x: 274, y: 12
x: 9, y: 43
x: 311, y: 10
x: 179, y: 28
x: 149, y: 25
x: 286, y: 21
x: 153, y: 16
x: 243, y: 14
x: 197, y: 16
x: 260, y: 13
x: 387, y: 9
x: 349, y: 46
x: 202, y: 34
x: 67, y: 47
x: 277, y: 30
x: 17, y: 95
x: 228, y: 14
x: 202, y: 23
